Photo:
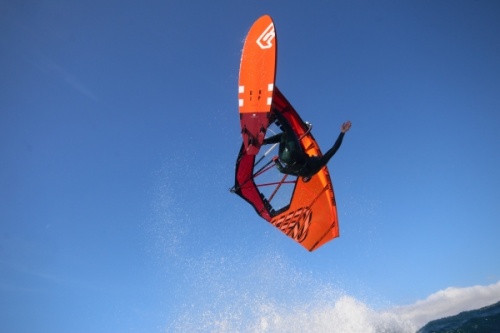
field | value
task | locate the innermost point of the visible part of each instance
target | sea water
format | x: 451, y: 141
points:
x: 484, y: 320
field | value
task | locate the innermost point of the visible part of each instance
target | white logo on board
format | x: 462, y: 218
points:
x: 265, y: 40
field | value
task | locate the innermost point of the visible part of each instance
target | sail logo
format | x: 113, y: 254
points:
x: 265, y: 40
x: 295, y: 224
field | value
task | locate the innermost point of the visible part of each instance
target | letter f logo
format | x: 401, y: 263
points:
x: 266, y: 38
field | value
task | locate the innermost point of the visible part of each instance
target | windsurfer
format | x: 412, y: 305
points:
x: 292, y: 159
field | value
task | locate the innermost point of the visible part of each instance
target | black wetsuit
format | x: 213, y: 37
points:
x: 292, y: 158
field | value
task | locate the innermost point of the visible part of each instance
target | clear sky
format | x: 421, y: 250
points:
x: 119, y: 132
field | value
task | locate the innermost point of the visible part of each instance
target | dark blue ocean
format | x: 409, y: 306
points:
x: 484, y: 320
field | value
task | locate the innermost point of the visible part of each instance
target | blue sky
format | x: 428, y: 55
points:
x: 119, y: 131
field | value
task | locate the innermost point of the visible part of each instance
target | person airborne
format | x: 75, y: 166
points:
x: 292, y: 159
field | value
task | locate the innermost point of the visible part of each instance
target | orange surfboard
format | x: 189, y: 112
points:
x: 256, y: 82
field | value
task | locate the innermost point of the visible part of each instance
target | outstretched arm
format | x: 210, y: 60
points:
x: 343, y: 129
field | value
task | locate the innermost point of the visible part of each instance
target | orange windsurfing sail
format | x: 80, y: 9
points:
x: 305, y: 211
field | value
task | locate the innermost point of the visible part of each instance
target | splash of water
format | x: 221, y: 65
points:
x: 221, y: 291
x: 228, y: 294
x: 345, y: 314
x: 224, y: 291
